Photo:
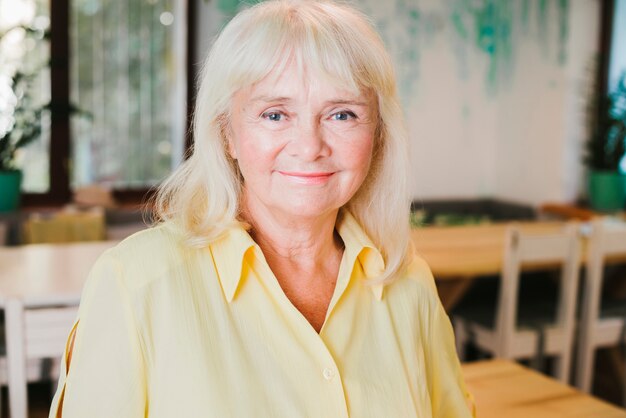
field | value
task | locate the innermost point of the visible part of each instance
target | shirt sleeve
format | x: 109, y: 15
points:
x: 449, y: 396
x: 105, y: 377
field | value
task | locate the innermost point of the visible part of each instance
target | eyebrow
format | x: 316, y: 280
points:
x: 264, y: 98
x: 350, y: 102
x: 268, y: 99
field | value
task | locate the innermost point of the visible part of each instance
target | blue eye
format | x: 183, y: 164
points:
x: 344, y: 116
x: 273, y: 116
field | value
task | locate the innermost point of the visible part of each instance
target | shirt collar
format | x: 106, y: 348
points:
x: 230, y: 249
x: 359, y: 246
x: 228, y: 255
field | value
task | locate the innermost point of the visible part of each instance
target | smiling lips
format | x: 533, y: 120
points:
x: 311, y: 178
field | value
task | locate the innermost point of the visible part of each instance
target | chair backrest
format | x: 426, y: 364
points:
x: 33, y: 334
x: 606, y: 240
x: 65, y: 226
x: 550, y: 249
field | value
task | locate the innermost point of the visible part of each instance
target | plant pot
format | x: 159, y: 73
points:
x: 10, y: 187
x: 607, y: 190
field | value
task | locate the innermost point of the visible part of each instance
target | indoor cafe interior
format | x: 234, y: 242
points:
x: 516, y: 119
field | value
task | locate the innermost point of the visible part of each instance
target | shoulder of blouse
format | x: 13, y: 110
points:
x: 417, y: 275
x: 149, y: 255
x: 414, y: 286
x: 419, y: 271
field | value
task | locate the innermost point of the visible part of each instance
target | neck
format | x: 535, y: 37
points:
x: 303, y: 241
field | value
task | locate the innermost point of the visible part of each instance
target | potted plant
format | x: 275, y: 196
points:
x: 605, y: 149
x: 25, y: 128
x: 24, y: 118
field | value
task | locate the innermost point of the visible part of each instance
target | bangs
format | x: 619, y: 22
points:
x: 267, y: 42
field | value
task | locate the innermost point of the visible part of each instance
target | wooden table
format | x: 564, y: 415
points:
x: 573, y: 211
x: 459, y: 254
x: 505, y: 389
x: 454, y: 252
x: 46, y: 276
x: 32, y: 273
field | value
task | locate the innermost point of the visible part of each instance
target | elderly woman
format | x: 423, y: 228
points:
x: 279, y: 282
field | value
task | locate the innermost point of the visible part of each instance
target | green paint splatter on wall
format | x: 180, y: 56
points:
x: 228, y: 7
x: 525, y: 14
x: 409, y: 16
x: 563, y: 30
x: 492, y: 27
x: 542, y: 24
x: 405, y: 44
x: 458, y: 24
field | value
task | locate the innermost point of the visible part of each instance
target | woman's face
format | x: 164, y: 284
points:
x: 303, y: 146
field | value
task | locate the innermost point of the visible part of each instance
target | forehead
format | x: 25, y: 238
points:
x: 293, y: 82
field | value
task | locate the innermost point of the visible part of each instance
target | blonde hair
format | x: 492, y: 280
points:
x: 333, y: 40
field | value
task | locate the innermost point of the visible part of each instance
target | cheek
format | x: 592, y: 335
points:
x: 252, y: 147
x: 255, y: 153
x: 358, y: 155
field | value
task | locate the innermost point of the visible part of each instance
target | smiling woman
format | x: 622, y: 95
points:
x: 278, y: 280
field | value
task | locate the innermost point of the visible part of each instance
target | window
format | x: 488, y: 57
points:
x: 617, y: 55
x: 617, y: 61
x: 127, y: 71
x: 122, y: 67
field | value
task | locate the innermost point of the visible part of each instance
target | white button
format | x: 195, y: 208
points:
x: 328, y: 373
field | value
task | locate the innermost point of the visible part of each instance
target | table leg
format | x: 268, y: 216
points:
x: 451, y: 291
x: 16, y: 358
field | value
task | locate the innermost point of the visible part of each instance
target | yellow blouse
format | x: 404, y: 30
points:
x: 170, y: 331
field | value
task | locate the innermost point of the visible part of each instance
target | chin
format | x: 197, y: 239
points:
x: 309, y: 210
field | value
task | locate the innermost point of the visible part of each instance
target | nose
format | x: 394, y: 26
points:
x: 308, y: 141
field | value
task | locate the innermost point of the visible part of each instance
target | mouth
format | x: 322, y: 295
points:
x: 312, y: 178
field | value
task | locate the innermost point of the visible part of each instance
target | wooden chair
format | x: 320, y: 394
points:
x: 602, y: 322
x: 32, y: 341
x: 35, y: 336
x: 65, y: 226
x: 38, y: 337
x: 514, y: 333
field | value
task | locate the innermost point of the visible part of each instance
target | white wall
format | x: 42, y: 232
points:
x: 452, y: 126
x: 541, y: 117
x: 516, y: 135
x: 583, y: 47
